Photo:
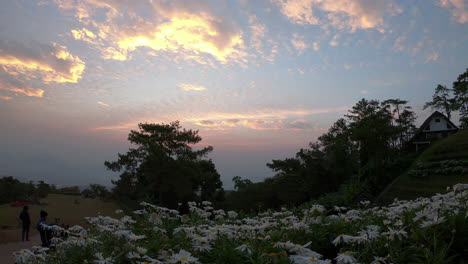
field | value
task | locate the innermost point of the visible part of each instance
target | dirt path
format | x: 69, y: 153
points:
x: 6, y: 250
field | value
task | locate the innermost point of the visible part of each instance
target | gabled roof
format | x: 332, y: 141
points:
x: 436, y: 114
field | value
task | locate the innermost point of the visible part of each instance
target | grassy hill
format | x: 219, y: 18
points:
x: 70, y: 209
x: 443, y: 164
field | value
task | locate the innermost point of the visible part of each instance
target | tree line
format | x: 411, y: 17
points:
x: 354, y: 160
x: 12, y: 189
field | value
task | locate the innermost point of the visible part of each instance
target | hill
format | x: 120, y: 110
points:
x: 443, y: 164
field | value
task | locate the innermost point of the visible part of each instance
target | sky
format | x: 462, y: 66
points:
x: 258, y: 79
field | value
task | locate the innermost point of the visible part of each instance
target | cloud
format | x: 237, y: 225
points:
x: 315, y: 46
x: 191, y: 87
x: 398, y: 45
x: 102, y: 103
x: 26, y: 91
x: 458, y: 8
x: 298, y: 11
x: 266, y: 119
x: 257, y: 32
x: 298, y: 43
x: 348, y: 15
x: 5, y: 97
x: 299, y: 124
x: 48, y: 62
x: 207, y: 123
x: 334, y: 42
x: 347, y: 66
x: 161, y: 26
x: 434, y: 56
x: 364, y: 92
x: 85, y: 35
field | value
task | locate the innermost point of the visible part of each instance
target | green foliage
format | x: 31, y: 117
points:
x: 164, y: 167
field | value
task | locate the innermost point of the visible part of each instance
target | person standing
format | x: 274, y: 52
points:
x: 24, y: 216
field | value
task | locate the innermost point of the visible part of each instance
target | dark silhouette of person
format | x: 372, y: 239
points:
x: 44, y: 229
x: 24, y: 216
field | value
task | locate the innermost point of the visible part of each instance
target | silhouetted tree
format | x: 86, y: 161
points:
x: 460, y: 90
x: 164, y: 167
x: 442, y: 100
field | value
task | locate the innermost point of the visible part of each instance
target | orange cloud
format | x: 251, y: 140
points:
x: 52, y: 62
x: 191, y: 87
x: 102, y: 103
x: 27, y: 91
x: 5, y: 97
x: 341, y: 14
x: 172, y: 27
x: 269, y: 119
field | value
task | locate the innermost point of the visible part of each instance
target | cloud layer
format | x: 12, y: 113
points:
x: 341, y: 14
x: 181, y: 27
x: 48, y: 62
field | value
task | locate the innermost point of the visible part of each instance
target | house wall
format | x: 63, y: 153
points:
x: 437, y: 126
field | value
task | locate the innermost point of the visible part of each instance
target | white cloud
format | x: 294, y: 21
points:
x: 299, y: 43
x: 334, y: 42
x: 315, y: 46
x: 434, y: 56
x: 458, y: 8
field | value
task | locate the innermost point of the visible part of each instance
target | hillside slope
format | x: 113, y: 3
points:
x: 443, y: 164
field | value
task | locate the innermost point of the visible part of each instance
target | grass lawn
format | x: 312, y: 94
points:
x: 70, y: 209
x: 406, y: 187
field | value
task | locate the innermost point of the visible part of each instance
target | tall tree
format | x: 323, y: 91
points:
x: 460, y: 90
x: 164, y: 167
x: 442, y: 100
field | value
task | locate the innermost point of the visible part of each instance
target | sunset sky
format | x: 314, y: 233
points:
x: 258, y: 79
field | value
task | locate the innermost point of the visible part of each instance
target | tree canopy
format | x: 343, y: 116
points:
x: 365, y: 147
x: 165, y: 168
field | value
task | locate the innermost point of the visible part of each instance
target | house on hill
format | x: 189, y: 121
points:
x: 435, y: 127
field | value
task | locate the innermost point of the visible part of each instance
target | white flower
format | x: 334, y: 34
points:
x: 346, y: 258
x: 102, y: 260
x: 200, y: 246
x: 392, y: 233
x: 342, y: 238
x: 435, y: 221
x: 183, y: 257
x: 155, y: 219
x: 299, y: 259
x: 379, y: 260
x: 244, y: 248
x: 133, y: 255
x: 141, y: 250
x: 232, y: 214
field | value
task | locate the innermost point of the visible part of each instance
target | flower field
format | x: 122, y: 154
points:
x: 425, y: 230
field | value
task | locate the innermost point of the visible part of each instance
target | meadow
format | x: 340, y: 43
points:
x: 424, y: 230
x: 71, y: 210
